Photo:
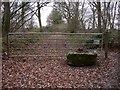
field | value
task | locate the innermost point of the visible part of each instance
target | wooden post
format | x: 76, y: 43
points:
x: 106, y: 39
x: 8, y: 45
x: 6, y: 28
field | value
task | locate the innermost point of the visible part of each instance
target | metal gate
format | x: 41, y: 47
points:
x: 44, y: 45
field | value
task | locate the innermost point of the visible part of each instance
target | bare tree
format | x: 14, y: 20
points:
x: 118, y: 16
x: 39, y: 16
x: 6, y: 27
x: 113, y: 15
x: 105, y: 15
x: 19, y: 14
x: 0, y: 20
x: 108, y: 14
x: 39, y: 6
x: 22, y: 14
x: 70, y: 12
x: 99, y: 14
x: 82, y: 16
x: 93, y: 14
x: 97, y: 5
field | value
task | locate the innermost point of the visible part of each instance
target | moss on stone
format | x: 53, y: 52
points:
x: 81, y: 59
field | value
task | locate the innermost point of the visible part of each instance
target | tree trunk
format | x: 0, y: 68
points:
x: 104, y: 17
x: 113, y: 19
x: 99, y: 15
x: 93, y: 26
x: 22, y: 15
x: 0, y: 20
x: 39, y: 16
x: 119, y: 17
x: 77, y: 15
x: 93, y: 15
x: 6, y: 28
x: 108, y: 14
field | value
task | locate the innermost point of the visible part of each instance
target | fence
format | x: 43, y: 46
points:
x: 37, y: 44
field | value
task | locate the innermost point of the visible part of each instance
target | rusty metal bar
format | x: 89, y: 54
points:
x: 46, y: 33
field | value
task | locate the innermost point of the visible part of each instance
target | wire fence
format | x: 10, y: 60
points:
x: 37, y: 44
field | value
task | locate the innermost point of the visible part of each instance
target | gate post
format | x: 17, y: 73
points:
x: 5, y: 46
x: 8, y: 46
x: 106, y: 39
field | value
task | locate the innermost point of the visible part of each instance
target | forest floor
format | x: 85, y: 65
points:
x: 55, y: 73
